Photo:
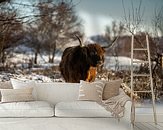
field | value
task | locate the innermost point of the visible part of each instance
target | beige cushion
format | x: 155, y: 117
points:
x: 21, y: 84
x: 90, y: 91
x: 111, y: 88
x: 5, y: 85
x: 16, y: 95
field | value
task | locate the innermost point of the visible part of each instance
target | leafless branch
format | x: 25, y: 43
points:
x: 134, y: 17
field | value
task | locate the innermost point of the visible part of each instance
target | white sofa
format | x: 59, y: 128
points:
x: 60, y: 110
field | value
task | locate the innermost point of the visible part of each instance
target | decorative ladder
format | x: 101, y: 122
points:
x: 141, y: 75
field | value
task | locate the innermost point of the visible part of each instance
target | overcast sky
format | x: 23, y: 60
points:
x: 96, y: 14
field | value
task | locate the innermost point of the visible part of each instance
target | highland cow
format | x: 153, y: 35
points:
x: 81, y: 62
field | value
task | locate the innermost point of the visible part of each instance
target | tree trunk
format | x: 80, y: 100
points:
x: 3, y: 57
x: 50, y: 53
x: 35, y: 59
x: 0, y: 57
x: 36, y: 54
x: 51, y: 58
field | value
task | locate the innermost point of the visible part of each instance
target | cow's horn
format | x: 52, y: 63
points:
x: 112, y: 43
x: 81, y: 45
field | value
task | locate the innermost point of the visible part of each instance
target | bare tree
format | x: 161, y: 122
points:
x: 2, y: 1
x: 134, y: 24
x: 158, y: 21
x: 34, y: 41
x: 56, y: 26
x: 115, y: 31
x: 10, y: 30
x: 157, y: 67
x: 133, y: 17
x: 50, y: 27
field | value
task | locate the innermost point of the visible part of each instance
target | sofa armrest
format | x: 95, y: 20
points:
x: 127, y: 112
x: 126, y: 120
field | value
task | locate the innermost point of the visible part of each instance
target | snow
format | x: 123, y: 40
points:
x: 24, y: 58
x: 22, y: 49
x: 21, y: 61
x: 31, y: 76
x: 121, y: 62
x: 111, y: 62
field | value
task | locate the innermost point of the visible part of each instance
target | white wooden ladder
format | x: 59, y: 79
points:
x: 133, y: 75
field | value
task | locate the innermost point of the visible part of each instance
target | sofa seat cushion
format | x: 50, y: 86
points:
x: 80, y: 109
x: 26, y: 109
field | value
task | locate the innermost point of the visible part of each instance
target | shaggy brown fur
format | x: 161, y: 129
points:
x: 80, y: 63
x: 91, y: 74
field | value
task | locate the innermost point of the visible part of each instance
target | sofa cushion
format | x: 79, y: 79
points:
x: 20, y: 84
x: 5, y: 85
x: 90, y: 91
x: 111, y: 88
x: 16, y: 95
x: 80, y: 109
x: 26, y: 109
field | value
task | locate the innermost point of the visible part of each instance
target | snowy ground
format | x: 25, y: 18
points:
x: 21, y: 62
x: 120, y: 63
x: 111, y: 62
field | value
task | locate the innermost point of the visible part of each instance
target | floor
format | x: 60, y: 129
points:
x: 146, y: 114
x: 63, y: 124
x: 144, y: 118
x: 73, y: 124
x: 148, y: 126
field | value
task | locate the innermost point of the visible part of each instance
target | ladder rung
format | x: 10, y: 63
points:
x: 139, y: 75
x: 143, y: 91
x: 140, y: 49
x: 140, y: 61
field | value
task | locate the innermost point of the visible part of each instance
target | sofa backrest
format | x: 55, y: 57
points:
x: 57, y: 92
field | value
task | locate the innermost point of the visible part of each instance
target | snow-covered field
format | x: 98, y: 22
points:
x: 21, y: 62
x: 24, y: 58
x: 119, y: 63
x: 111, y: 62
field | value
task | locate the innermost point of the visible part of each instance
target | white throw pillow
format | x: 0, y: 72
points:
x: 26, y: 109
x: 91, y: 91
x: 16, y: 95
x: 80, y: 109
x: 20, y: 84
